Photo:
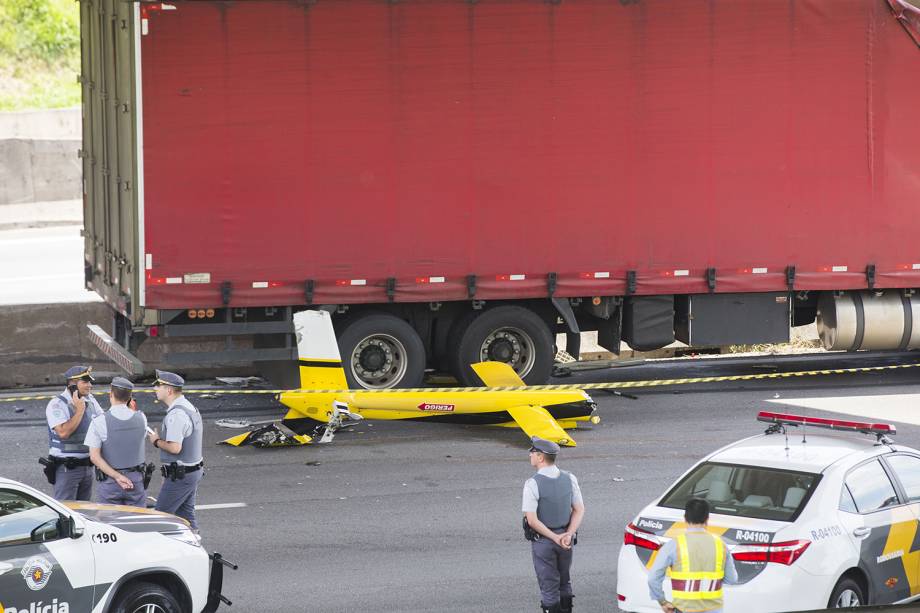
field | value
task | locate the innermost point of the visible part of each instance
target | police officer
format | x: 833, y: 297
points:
x: 69, y: 414
x: 180, y: 449
x: 116, y: 446
x: 699, y: 562
x: 553, y: 510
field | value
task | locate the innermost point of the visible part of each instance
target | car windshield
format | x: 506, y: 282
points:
x: 745, y: 491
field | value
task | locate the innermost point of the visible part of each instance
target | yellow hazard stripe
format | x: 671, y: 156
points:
x: 533, y: 388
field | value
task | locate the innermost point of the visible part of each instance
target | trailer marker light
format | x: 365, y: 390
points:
x: 259, y: 284
x: 209, y: 313
x: 173, y: 280
x: 594, y: 275
x: 148, y: 261
x: 759, y: 271
x: 682, y: 273
x: 838, y: 268
x: 596, y: 301
x: 351, y: 282
x: 621, y: 597
x: 153, y: 331
x: 430, y: 279
x: 192, y: 313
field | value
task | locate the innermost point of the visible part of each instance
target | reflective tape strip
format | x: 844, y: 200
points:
x: 519, y: 388
x: 713, y: 595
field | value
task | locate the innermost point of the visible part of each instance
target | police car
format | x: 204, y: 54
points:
x: 77, y: 557
x: 813, y: 519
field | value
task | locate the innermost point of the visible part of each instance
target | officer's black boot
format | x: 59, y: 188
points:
x: 566, y: 604
x: 556, y: 608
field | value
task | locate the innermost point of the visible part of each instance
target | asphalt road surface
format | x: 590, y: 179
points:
x: 46, y: 266
x: 426, y: 517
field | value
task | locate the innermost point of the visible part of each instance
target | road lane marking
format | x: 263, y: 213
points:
x: 223, y: 505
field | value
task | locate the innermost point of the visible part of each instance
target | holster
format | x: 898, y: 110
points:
x: 100, y: 476
x: 148, y: 473
x: 50, y: 468
x: 174, y: 471
x: 529, y: 533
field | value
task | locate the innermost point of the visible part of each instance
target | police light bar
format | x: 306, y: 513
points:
x: 788, y: 419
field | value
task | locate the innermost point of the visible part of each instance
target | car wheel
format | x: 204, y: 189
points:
x: 143, y: 597
x: 510, y: 334
x: 847, y: 593
x: 381, y: 351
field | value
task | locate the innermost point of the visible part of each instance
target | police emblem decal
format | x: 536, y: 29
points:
x: 36, y: 571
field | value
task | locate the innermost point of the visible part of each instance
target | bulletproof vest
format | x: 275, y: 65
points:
x: 74, y: 444
x: 124, y: 443
x: 554, y: 507
x: 191, y: 444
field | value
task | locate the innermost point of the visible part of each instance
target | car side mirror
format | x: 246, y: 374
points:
x: 68, y: 528
x: 48, y: 531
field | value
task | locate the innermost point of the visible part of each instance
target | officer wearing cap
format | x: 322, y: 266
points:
x: 180, y: 449
x: 69, y: 414
x: 116, y: 446
x: 553, y: 510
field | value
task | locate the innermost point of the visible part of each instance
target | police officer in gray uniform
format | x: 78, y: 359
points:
x: 180, y: 449
x: 69, y: 414
x: 553, y: 509
x: 116, y: 447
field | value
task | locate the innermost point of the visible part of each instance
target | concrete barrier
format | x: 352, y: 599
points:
x: 33, y: 170
x: 39, y: 341
x: 38, y: 156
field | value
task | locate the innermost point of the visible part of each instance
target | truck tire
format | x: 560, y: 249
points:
x: 143, y: 597
x: 509, y: 334
x: 381, y: 351
x: 847, y: 593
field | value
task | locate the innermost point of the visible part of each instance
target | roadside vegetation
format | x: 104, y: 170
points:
x: 39, y: 54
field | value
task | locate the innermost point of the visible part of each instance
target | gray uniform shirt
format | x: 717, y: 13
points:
x: 57, y: 413
x: 98, y: 433
x: 177, y: 425
x: 532, y: 492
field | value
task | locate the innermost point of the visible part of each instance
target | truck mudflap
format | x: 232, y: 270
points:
x: 216, y: 583
x: 115, y: 352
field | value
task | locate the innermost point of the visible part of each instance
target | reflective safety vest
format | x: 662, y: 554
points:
x: 696, y: 578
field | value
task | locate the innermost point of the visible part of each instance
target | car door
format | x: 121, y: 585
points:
x: 877, y: 521
x: 905, y: 468
x: 37, y: 563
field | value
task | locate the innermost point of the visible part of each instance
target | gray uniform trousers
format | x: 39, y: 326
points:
x: 178, y: 497
x: 74, y: 483
x: 109, y: 492
x: 552, y: 563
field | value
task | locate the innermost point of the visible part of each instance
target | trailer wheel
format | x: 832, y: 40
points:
x: 381, y: 351
x: 510, y: 334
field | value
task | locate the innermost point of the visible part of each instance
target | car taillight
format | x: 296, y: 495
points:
x: 640, y: 538
x: 779, y: 553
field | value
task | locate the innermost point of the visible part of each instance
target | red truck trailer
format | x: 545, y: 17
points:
x: 461, y: 180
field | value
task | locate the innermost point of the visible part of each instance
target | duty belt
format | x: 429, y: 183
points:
x: 174, y: 470
x: 70, y: 462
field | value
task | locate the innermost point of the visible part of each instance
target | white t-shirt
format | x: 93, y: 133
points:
x: 532, y: 491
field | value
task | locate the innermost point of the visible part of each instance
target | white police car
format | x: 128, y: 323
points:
x: 812, y: 520
x: 78, y: 557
